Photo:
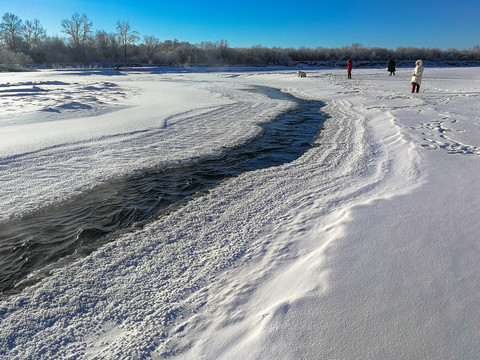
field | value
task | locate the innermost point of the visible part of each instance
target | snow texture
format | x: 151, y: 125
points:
x: 366, y: 247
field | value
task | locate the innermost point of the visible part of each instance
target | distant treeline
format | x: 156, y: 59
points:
x: 23, y: 43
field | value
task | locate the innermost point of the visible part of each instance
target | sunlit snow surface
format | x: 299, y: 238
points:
x: 366, y: 247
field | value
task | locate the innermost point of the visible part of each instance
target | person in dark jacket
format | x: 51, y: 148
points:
x: 391, y: 67
x: 349, y: 68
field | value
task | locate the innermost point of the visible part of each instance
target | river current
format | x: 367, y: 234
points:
x: 35, y: 244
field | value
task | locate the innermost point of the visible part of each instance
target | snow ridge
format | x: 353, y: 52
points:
x: 203, y: 272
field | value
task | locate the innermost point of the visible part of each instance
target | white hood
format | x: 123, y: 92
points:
x: 418, y: 72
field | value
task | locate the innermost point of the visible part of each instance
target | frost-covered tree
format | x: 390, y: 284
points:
x: 106, y: 45
x: 79, y: 28
x: 11, y: 29
x: 126, y: 36
x: 151, y: 47
x: 55, y: 51
x: 34, y: 35
x: 10, y: 60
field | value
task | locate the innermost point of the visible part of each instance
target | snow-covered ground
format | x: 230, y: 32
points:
x: 366, y: 247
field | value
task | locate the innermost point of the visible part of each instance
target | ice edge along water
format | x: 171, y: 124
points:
x: 160, y: 292
x: 54, y: 236
x: 170, y: 281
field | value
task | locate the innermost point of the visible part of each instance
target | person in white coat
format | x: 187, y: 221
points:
x: 417, y: 76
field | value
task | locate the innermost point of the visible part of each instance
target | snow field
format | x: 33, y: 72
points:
x: 363, y: 248
x: 43, y: 166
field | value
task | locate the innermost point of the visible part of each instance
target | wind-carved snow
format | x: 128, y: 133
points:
x: 274, y: 263
x: 63, y: 170
x: 68, y: 98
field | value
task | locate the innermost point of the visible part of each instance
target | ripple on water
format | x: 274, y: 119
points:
x: 36, y: 242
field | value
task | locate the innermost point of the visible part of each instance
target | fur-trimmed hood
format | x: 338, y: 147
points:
x: 418, y: 72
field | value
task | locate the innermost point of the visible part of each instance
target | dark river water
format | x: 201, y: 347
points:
x: 31, y: 246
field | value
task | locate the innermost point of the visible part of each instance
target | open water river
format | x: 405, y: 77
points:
x: 35, y: 244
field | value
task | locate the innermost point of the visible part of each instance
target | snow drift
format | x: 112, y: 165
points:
x: 364, y: 247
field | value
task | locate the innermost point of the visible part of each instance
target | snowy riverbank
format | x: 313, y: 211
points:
x: 365, y: 247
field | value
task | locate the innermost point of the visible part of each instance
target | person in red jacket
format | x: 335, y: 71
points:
x: 349, y: 68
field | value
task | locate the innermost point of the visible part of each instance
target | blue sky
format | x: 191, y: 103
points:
x: 389, y: 24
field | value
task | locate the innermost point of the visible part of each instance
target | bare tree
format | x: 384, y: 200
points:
x: 107, y: 45
x: 152, y: 46
x: 34, y: 33
x: 78, y: 28
x: 11, y: 29
x: 223, y: 49
x: 356, y: 46
x: 126, y: 36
